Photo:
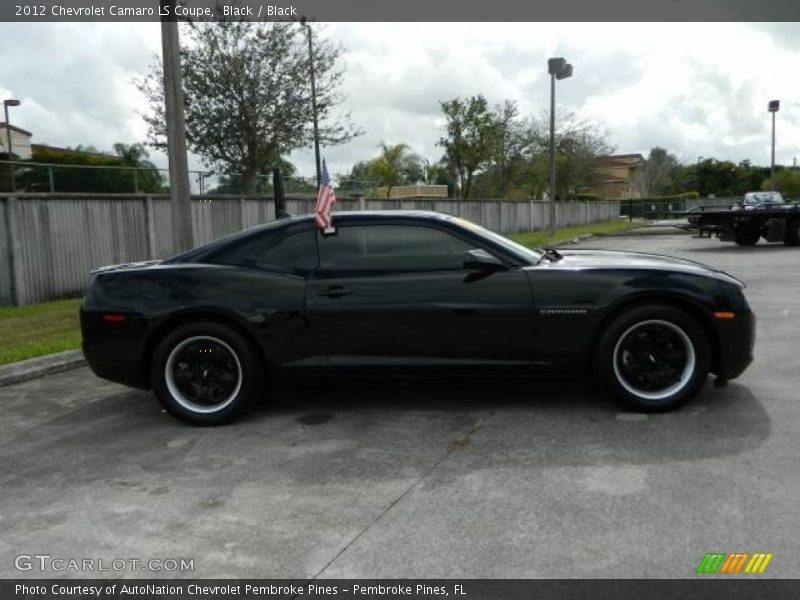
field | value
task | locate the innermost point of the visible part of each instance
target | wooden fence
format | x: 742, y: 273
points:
x: 50, y: 242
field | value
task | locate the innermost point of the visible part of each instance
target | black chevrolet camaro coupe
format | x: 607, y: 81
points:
x: 209, y: 329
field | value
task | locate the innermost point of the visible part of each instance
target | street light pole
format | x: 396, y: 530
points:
x: 307, y: 27
x: 552, y: 197
x: 6, y: 104
x: 773, y: 107
x: 558, y: 68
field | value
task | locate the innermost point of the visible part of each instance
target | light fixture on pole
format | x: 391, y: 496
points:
x: 773, y: 107
x: 558, y: 68
x: 307, y: 27
x: 6, y: 104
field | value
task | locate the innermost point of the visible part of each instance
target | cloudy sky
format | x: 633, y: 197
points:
x: 696, y: 89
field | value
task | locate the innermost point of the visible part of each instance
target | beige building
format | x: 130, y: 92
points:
x: 617, y: 176
x: 20, y: 142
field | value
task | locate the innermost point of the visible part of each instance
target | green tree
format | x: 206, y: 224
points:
x: 710, y: 176
x: 148, y: 177
x: 247, y: 96
x: 469, y: 131
x: 436, y: 173
x: 106, y: 179
x: 579, y: 142
x: 656, y: 178
x: 233, y: 183
x: 784, y: 181
x: 749, y: 177
x: 395, y: 166
x: 512, y: 143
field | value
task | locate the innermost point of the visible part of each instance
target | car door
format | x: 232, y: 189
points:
x: 398, y: 293
x: 278, y: 265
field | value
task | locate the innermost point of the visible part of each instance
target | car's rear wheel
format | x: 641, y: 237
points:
x: 205, y: 373
x: 791, y: 236
x: 746, y: 236
x: 653, y: 358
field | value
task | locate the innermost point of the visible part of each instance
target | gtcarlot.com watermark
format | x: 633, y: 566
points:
x: 46, y: 563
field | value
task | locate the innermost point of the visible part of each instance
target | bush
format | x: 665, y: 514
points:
x: 589, y: 197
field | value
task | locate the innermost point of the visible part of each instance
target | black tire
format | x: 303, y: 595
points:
x: 791, y: 235
x: 653, y: 358
x: 206, y: 373
x: 746, y: 236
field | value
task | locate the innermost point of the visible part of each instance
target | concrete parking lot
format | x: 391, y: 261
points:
x: 516, y: 478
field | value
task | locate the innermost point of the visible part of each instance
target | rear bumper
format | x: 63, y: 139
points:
x: 115, y: 351
x: 737, y: 338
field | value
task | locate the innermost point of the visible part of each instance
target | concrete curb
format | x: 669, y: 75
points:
x: 572, y: 240
x: 26, y: 370
x: 647, y: 230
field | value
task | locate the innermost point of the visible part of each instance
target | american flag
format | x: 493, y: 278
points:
x: 326, y: 199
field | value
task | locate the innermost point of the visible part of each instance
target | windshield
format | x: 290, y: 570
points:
x: 763, y: 198
x: 525, y: 253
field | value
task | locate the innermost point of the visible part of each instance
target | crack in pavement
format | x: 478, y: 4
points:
x: 455, y: 445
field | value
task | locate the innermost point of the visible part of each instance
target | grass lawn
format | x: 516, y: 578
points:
x: 542, y: 238
x: 38, y: 329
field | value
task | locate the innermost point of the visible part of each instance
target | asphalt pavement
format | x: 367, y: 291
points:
x: 385, y: 478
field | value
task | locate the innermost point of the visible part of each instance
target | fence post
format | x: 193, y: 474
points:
x: 499, y: 216
x: 15, y: 251
x: 150, y: 226
x: 362, y: 203
x: 52, y: 179
x: 242, y: 212
x: 530, y: 214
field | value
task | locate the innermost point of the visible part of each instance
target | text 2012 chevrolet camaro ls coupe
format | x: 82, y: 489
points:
x: 208, y: 329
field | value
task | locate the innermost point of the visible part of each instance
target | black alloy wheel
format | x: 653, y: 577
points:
x: 206, y: 373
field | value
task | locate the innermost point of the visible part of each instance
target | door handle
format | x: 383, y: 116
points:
x: 334, y: 291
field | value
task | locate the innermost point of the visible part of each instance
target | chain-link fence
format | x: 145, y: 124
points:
x: 36, y: 177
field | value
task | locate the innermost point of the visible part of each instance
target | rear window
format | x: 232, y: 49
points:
x: 297, y: 251
x: 294, y: 252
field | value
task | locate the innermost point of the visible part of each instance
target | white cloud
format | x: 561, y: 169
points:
x: 696, y: 89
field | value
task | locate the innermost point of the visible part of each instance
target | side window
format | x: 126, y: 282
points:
x: 400, y: 248
x: 297, y: 252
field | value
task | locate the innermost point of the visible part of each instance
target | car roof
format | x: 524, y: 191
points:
x: 377, y: 214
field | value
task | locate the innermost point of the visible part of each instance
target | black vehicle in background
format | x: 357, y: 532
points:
x: 760, y: 214
x: 209, y: 330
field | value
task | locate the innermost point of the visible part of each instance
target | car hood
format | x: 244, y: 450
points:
x: 611, y: 259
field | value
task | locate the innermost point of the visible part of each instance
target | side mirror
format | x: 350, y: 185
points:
x: 481, y: 260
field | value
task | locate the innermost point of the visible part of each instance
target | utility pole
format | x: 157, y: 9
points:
x: 179, y: 191
x: 307, y: 27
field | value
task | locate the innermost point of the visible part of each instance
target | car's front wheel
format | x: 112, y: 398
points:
x: 205, y: 373
x: 653, y: 358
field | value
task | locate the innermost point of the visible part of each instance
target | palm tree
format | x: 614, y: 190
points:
x: 149, y: 178
x: 395, y: 166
